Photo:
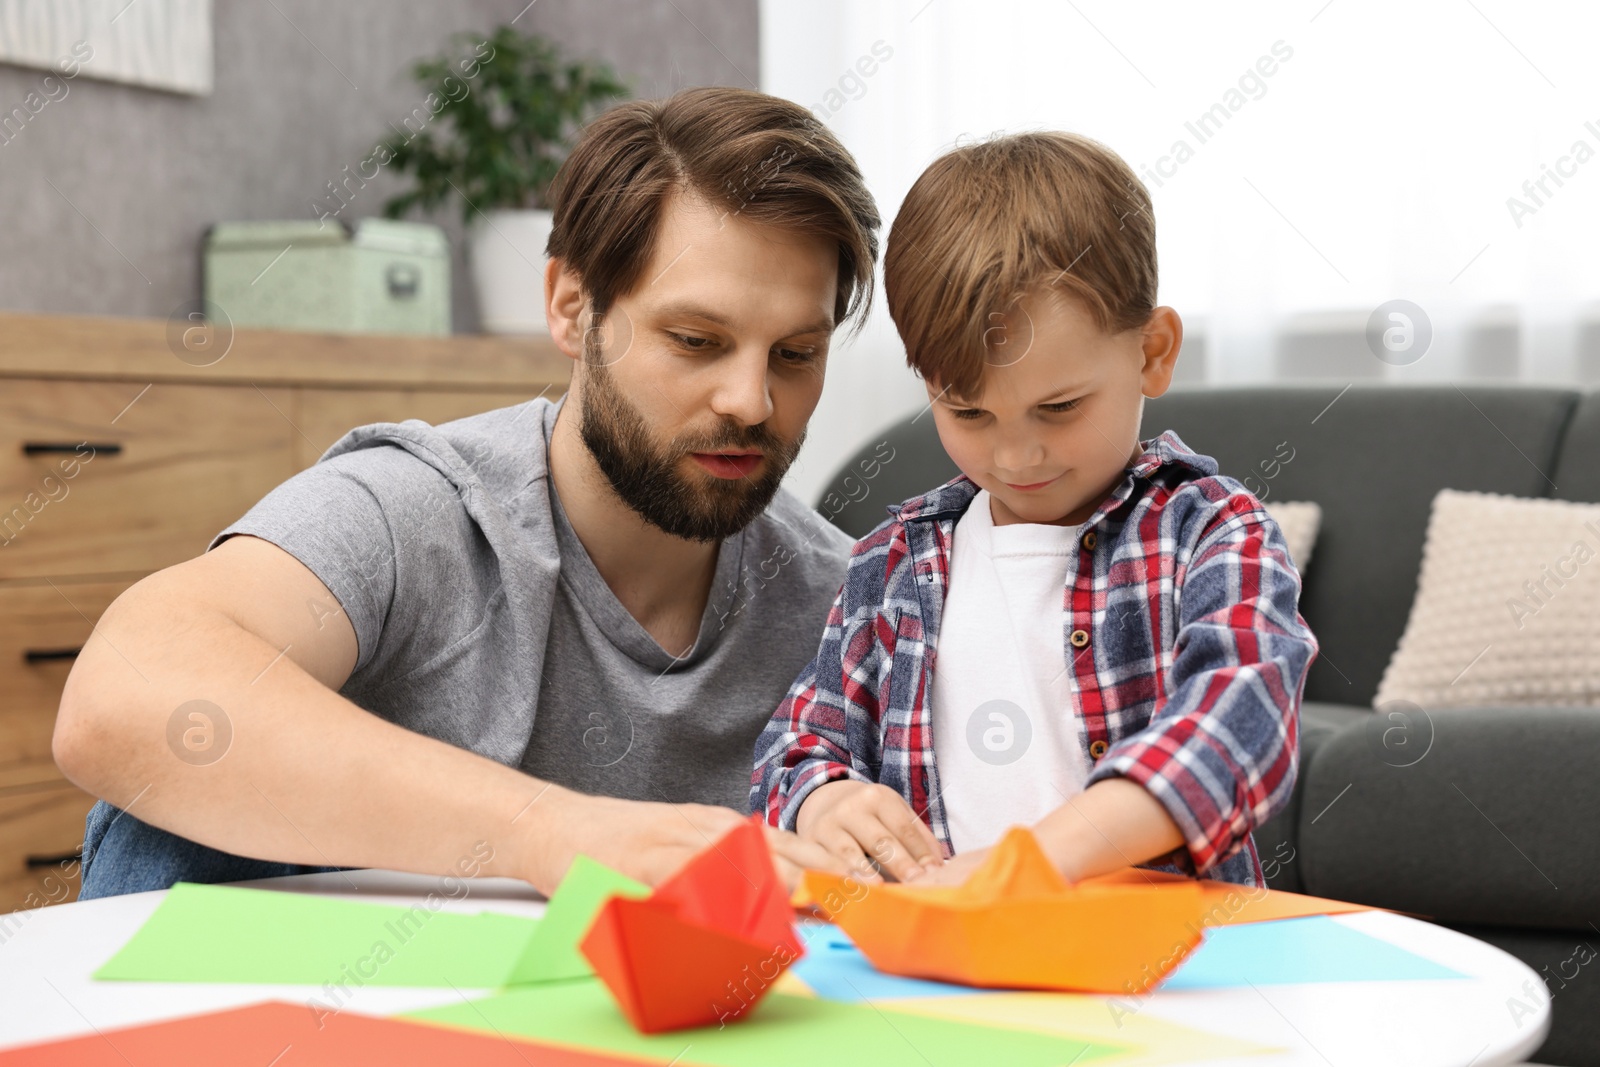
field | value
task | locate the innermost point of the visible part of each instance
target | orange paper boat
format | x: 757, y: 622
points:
x: 706, y: 946
x: 1017, y: 924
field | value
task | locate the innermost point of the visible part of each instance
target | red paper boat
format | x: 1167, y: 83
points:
x: 705, y: 946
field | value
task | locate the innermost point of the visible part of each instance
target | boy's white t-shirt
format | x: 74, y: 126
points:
x: 1005, y: 730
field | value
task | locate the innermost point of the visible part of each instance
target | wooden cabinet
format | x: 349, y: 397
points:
x: 120, y: 456
x: 138, y: 494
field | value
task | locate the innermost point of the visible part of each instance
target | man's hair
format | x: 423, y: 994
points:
x: 748, y: 153
x: 988, y: 223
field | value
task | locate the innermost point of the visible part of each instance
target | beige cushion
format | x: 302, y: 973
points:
x: 1299, y: 520
x: 1507, y: 610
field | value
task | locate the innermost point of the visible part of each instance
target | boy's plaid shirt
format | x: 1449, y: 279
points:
x: 1189, y: 682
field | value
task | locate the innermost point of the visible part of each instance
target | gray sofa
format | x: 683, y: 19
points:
x: 1493, y: 830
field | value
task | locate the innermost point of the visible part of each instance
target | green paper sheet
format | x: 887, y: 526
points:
x: 552, y: 952
x: 214, y: 933
x: 783, y: 1031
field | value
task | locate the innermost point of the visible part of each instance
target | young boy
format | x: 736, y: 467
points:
x: 1084, y: 633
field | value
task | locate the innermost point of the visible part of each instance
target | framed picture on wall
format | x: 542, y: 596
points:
x: 160, y: 44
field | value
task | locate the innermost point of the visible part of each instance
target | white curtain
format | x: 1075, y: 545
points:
x: 1308, y: 162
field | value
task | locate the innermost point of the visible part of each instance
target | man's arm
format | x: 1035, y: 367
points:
x: 309, y: 777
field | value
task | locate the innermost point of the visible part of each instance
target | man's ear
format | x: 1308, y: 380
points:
x: 1161, y: 339
x: 565, y: 308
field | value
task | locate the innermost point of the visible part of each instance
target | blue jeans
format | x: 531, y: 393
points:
x: 121, y: 854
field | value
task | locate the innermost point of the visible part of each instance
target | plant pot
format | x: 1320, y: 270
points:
x: 506, y: 248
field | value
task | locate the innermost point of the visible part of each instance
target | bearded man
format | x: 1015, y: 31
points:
x: 484, y: 647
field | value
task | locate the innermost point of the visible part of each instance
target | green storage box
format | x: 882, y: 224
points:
x: 382, y: 277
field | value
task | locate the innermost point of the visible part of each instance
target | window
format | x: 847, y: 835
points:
x: 1308, y: 162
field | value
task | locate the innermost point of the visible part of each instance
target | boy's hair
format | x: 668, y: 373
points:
x: 746, y: 152
x: 988, y: 223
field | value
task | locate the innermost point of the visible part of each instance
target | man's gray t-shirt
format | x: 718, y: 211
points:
x: 481, y: 621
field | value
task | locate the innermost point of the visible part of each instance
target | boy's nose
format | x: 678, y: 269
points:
x: 1018, y: 454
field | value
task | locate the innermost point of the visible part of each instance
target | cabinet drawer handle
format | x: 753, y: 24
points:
x: 34, y: 448
x: 52, y: 861
x: 44, y: 655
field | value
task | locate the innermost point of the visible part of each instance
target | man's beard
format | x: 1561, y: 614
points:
x: 647, y: 478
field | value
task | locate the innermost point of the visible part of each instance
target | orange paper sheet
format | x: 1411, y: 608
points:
x: 1227, y: 903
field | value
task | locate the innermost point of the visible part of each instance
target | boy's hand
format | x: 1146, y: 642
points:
x: 957, y: 869
x: 861, y: 823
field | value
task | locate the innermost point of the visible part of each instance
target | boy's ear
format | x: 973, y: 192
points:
x: 565, y: 308
x: 1162, y: 337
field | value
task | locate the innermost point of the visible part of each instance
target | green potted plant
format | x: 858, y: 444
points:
x: 499, y: 118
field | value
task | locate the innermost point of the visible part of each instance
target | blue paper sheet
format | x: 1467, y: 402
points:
x: 1286, y: 951
x: 1280, y: 952
x: 835, y: 969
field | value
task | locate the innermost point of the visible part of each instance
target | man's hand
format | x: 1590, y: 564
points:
x: 794, y: 855
x: 857, y: 820
x: 647, y: 841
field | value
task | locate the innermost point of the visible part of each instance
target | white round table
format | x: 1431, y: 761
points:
x: 47, y: 956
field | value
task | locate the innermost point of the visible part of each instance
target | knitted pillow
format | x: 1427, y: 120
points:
x: 1299, y: 520
x: 1507, y: 610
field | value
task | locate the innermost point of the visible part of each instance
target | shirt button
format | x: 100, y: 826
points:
x: 1079, y: 638
x: 1089, y: 541
x: 1098, y: 749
